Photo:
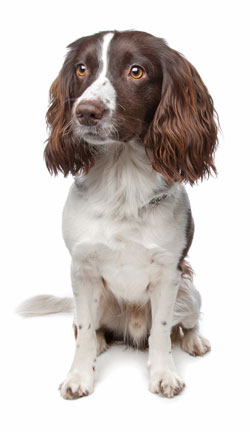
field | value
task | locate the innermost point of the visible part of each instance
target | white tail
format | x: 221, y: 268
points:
x: 44, y: 305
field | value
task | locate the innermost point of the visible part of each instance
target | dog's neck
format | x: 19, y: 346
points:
x: 122, y: 179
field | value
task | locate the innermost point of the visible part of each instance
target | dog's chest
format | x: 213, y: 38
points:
x: 119, y: 232
x: 124, y: 251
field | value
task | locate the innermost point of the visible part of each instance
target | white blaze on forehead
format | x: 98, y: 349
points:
x: 101, y: 89
x: 105, y: 47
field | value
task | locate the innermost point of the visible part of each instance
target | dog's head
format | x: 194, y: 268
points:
x: 121, y: 86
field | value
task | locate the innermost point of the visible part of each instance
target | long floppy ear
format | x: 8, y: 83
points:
x: 63, y: 152
x: 182, y: 137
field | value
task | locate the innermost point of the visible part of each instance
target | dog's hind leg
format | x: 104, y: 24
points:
x: 186, y: 317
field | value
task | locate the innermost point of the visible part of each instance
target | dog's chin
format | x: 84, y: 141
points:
x: 97, y: 136
x: 98, y: 139
x: 105, y: 134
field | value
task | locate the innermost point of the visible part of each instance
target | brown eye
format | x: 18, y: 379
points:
x: 136, y: 72
x: 81, y: 70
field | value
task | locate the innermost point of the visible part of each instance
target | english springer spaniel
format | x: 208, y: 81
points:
x: 132, y: 120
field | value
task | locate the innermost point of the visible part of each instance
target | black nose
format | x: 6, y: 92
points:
x: 89, y: 112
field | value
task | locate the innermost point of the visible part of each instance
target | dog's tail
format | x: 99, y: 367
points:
x: 44, y: 305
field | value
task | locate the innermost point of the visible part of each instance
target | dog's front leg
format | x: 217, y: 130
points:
x: 164, y: 379
x: 86, y: 284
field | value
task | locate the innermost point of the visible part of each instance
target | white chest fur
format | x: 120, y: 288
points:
x: 112, y: 224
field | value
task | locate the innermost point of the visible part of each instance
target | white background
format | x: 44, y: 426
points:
x: 36, y: 354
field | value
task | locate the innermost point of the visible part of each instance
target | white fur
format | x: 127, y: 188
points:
x: 113, y: 233
x: 117, y: 233
x: 112, y: 223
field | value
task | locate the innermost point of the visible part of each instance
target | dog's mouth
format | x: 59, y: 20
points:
x: 101, y: 134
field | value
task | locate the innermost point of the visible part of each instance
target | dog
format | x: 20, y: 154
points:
x: 132, y: 121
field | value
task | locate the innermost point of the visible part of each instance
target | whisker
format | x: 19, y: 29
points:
x: 121, y: 107
x: 135, y: 118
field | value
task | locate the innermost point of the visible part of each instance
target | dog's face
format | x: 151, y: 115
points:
x: 119, y: 86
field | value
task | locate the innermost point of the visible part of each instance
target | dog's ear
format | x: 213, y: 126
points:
x: 63, y: 152
x: 182, y: 137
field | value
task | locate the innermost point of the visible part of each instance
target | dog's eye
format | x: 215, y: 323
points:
x: 81, y: 70
x: 136, y: 72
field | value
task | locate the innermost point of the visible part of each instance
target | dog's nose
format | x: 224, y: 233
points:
x: 89, y: 112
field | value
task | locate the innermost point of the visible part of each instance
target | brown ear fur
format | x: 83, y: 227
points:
x: 182, y: 137
x: 63, y: 152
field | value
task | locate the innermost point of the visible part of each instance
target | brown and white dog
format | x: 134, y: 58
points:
x: 132, y: 120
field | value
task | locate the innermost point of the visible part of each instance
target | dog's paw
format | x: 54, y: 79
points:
x: 195, y: 344
x: 76, y: 385
x: 165, y: 383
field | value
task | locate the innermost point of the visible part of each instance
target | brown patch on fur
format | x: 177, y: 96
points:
x: 75, y: 331
x: 186, y: 270
x: 176, y: 334
x: 183, y: 135
x: 105, y: 285
x: 184, y: 266
x: 63, y: 152
x: 79, y: 393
